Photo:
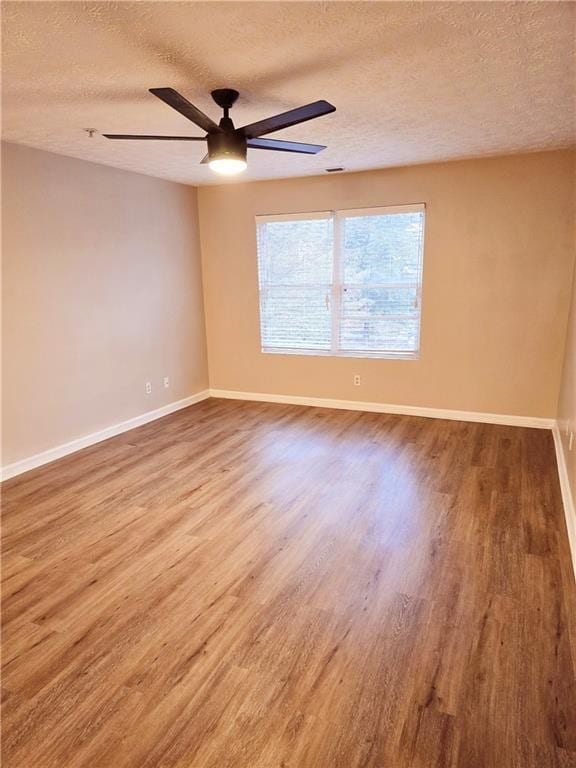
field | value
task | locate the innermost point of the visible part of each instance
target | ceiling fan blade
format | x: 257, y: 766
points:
x: 180, y: 104
x: 152, y: 138
x: 286, y: 119
x: 285, y: 146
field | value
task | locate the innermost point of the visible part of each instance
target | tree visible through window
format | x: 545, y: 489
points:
x: 341, y: 283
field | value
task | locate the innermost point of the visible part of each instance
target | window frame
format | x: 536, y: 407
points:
x: 337, y: 286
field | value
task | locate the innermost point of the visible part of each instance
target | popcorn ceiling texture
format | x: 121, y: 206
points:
x: 412, y: 82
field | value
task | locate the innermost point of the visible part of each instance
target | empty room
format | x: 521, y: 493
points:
x: 288, y: 470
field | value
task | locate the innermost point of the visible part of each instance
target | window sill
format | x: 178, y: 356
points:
x: 329, y: 353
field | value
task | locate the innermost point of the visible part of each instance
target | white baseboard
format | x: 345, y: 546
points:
x: 568, y: 500
x: 404, y: 410
x: 59, y: 451
x: 11, y: 470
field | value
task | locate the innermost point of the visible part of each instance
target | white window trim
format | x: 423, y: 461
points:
x: 336, y: 284
x: 336, y: 293
x: 307, y: 216
x: 378, y: 355
x: 386, y: 210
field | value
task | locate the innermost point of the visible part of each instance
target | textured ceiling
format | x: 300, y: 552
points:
x: 412, y: 82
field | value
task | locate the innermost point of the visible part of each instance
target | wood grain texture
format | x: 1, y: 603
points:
x: 249, y: 585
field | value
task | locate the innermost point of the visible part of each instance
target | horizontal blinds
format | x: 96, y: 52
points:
x: 341, y: 283
x: 380, y: 274
x: 295, y: 257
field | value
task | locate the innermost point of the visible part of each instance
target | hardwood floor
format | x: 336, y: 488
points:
x: 249, y: 585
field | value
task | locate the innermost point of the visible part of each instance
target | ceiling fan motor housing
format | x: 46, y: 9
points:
x: 226, y: 145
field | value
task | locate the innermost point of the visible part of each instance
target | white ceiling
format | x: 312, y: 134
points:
x: 412, y: 82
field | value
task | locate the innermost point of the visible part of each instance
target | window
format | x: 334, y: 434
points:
x: 342, y: 282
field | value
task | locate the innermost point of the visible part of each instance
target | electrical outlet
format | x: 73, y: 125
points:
x: 166, y: 382
x: 357, y: 380
x: 571, y: 441
x: 148, y: 388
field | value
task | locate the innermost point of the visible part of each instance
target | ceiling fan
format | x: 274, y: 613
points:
x: 227, y: 145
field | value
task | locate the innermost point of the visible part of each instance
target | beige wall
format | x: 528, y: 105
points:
x: 497, y: 267
x: 567, y: 402
x: 101, y: 293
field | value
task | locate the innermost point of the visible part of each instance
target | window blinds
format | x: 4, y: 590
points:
x: 341, y: 283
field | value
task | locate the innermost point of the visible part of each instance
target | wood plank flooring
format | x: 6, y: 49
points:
x: 248, y: 585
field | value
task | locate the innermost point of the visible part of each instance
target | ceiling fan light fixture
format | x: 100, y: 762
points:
x: 228, y: 166
x: 227, y: 153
